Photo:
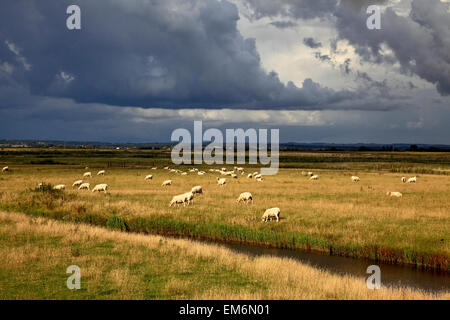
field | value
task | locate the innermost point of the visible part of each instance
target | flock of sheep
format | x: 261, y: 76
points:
x: 188, y: 197
x: 397, y: 194
x: 245, y: 197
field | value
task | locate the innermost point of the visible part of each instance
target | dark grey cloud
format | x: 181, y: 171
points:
x: 160, y: 53
x: 310, y: 42
x: 420, y: 42
x: 284, y: 24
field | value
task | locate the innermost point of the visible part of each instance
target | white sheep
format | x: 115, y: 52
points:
x: 182, y: 198
x: 59, y: 187
x: 355, y: 179
x: 5, y: 169
x: 271, y: 213
x: 154, y: 168
x: 250, y: 176
x: 148, y: 177
x: 77, y: 183
x: 201, y: 173
x: 221, y: 181
x: 314, y: 177
x: 310, y: 174
x: 255, y: 173
x: 234, y: 176
x: 84, y: 186
x: 40, y: 185
x: 87, y: 175
x: 394, y: 194
x: 260, y: 179
x: 101, y: 173
x: 100, y: 188
x: 197, y: 189
x: 258, y: 176
x: 412, y: 180
x: 245, y: 197
x: 404, y: 179
x: 304, y: 173
x: 166, y: 183
x: 166, y: 168
x: 184, y: 173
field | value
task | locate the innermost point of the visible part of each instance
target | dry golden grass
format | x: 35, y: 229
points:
x: 343, y: 213
x: 36, y: 251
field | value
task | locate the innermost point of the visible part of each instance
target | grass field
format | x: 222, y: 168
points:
x: 117, y: 265
x: 331, y: 215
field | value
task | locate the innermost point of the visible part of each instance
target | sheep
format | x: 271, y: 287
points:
x: 271, y: 213
x: 255, y: 173
x: 184, y: 173
x: 260, y: 179
x: 304, y: 173
x: 101, y: 173
x: 166, y: 183
x: 5, y: 169
x: 100, y: 188
x: 412, y: 180
x: 234, y: 176
x: 355, y: 179
x: 84, y: 186
x: 197, y: 189
x: 148, y: 177
x: 77, y: 183
x: 40, y: 186
x: 314, y: 177
x: 394, y: 194
x: 310, y: 174
x: 59, y: 187
x: 245, y: 197
x: 166, y: 168
x: 87, y: 175
x: 201, y: 173
x: 250, y: 176
x: 258, y: 176
x: 182, y: 198
x: 221, y: 181
x: 404, y: 179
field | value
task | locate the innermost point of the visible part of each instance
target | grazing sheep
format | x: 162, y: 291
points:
x: 101, y: 173
x: 87, y: 175
x: 258, y: 176
x: 100, y: 188
x: 394, y: 194
x: 221, y: 181
x: 412, y: 180
x: 166, y: 168
x: 201, y: 173
x: 234, y: 176
x: 197, y: 189
x: 60, y: 187
x: 255, y: 173
x: 154, y: 168
x: 149, y: 177
x: 250, y: 176
x: 404, y: 179
x: 245, y: 197
x: 182, y: 198
x: 260, y: 179
x: 184, y: 173
x: 355, y: 179
x: 271, y: 213
x: 314, y: 177
x: 310, y: 174
x: 5, y: 169
x: 166, y: 183
x: 77, y: 183
x: 84, y: 186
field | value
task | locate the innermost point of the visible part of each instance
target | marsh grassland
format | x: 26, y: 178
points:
x: 117, y: 265
x: 332, y: 215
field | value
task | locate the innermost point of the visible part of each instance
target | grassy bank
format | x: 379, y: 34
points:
x: 118, y: 265
x: 331, y: 215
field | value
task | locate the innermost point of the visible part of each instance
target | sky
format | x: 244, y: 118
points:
x: 139, y: 69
